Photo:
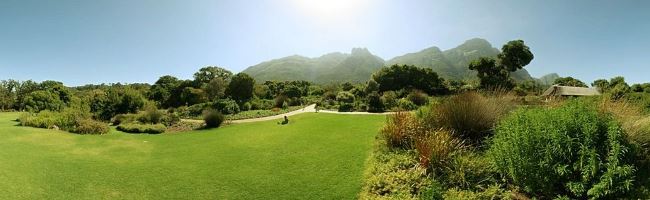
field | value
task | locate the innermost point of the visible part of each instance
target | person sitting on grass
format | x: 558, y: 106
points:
x: 285, y: 121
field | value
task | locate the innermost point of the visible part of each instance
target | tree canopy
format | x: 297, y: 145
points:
x: 398, y: 77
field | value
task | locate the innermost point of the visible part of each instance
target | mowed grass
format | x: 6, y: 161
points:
x: 316, y: 156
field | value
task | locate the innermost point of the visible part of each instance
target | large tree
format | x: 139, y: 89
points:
x: 162, y: 91
x: 496, y: 73
x: 241, y: 87
x: 490, y: 74
x: 207, y: 74
x: 408, y: 77
x: 569, y: 81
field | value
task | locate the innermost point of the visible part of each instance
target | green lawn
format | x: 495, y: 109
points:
x: 316, y: 156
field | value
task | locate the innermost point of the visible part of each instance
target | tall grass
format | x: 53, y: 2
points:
x: 471, y: 115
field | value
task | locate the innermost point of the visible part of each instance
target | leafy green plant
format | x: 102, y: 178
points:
x: 87, y: 126
x: 572, y: 150
x: 142, y: 128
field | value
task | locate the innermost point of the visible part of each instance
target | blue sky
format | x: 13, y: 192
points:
x: 80, y: 42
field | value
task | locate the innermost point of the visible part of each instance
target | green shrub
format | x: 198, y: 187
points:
x: 121, y: 118
x: 87, y: 126
x: 69, y: 119
x: 390, y: 99
x: 142, y: 128
x: 395, y: 175
x: 572, y: 150
x: 374, y: 102
x: 419, y: 98
x: 226, y: 106
x: 346, y: 107
x: 246, y: 106
x: 470, y: 115
x: 469, y: 171
x: 491, y: 192
x: 405, y: 104
x: 44, y: 119
x: 151, y: 116
x: 280, y: 101
x: 213, y: 118
x: 345, y: 97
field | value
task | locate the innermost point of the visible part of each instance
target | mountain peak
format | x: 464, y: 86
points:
x: 475, y: 43
x: 360, y: 51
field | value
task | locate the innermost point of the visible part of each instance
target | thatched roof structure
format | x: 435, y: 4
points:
x: 557, y: 90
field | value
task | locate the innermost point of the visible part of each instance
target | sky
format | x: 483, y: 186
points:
x: 105, y: 41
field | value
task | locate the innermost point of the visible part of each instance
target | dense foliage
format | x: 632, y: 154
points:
x: 495, y: 73
x: 572, y: 151
x: 397, y: 77
x: 213, y: 118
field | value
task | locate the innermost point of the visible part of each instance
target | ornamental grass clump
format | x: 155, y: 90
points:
x: 572, y: 151
x: 470, y: 116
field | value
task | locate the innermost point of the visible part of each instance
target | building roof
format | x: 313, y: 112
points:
x: 557, y: 90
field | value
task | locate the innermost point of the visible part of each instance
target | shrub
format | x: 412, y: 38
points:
x: 395, y: 175
x: 469, y: 171
x: 75, y: 121
x: 346, y: 107
x: 374, y: 102
x: 405, y: 104
x: 226, y: 106
x: 345, y: 97
x: 213, y: 118
x: 87, y: 126
x: 390, y: 99
x: 151, y: 116
x: 400, y: 130
x: 436, y: 148
x: 280, y: 101
x: 122, y: 118
x: 470, y: 115
x: 491, y: 192
x: 418, y: 98
x: 246, y: 107
x: 142, y: 128
x: 572, y: 150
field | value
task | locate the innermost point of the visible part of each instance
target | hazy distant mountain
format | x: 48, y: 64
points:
x: 360, y: 64
x: 453, y: 63
x: 548, y: 79
x: 338, y: 67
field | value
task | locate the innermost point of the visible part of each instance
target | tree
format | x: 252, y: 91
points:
x: 117, y: 100
x: 216, y: 88
x: 515, y: 55
x: 191, y: 96
x: 24, y: 89
x: 601, y: 84
x: 372, y: 86
x: 496, y: 73
x: 491, y: 75
x: 292, y: 91
x: 241, y: 87
x: 409, y: 77
x: 374, y: 102
x: 207, y: 74
x: 569, y: 81
x: 162, y: 90
x: 43, y: 100
x: 7, y: 94
x: 345, y: 97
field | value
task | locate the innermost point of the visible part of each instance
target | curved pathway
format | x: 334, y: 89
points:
x: 308, y: 109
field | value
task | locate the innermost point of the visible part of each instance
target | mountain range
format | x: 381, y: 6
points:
x: 359, y: 64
